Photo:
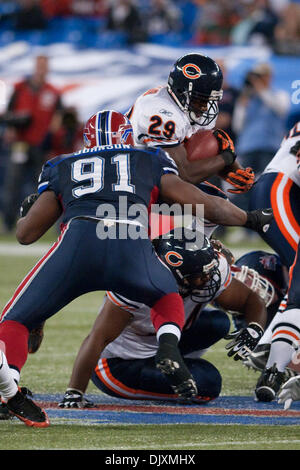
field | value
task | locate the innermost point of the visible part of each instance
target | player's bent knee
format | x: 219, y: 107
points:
x: 207, y: 377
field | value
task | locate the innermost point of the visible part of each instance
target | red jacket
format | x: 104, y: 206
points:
x: 40, y: 104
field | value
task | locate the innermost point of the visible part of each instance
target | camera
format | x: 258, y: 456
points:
x: 248, y: 79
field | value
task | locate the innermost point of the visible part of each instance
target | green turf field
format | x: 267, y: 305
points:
x: 48, y: 371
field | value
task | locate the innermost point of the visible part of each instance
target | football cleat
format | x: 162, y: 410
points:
x: 257, y: 360
x: 187, y: 390
x: 269, y: 383
x: 171, y: 364
x: 4, y: 412
x: 35, y: 338
x: 27, y: 411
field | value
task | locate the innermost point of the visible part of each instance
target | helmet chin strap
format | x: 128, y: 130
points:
x: 206, y: 118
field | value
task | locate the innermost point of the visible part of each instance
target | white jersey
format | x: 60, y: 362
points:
x: 158, y: 121
x: 138, y: 339
x: 285, y: 162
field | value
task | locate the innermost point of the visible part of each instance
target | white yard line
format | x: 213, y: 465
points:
x: 39, y: 249
x: 14, y: 249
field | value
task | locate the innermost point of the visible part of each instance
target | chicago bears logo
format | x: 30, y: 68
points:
x: 191, y: 71
x: 173, y: 258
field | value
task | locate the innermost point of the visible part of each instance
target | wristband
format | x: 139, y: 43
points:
x: 228, y: 157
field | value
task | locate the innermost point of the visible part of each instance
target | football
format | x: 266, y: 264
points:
x: 201, y: 145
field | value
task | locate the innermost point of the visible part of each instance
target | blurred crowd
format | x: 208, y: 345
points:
x: 37, y: 126
x: 221, y: 22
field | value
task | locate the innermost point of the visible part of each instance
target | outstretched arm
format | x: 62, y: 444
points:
x: 216, y: 209
x: 240, y: 298
x: 109, y: 324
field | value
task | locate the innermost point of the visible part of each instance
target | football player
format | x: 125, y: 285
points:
x: 168, y: 115
x: 124, y: 340
x: 87, y: 187
x: 279, y: 185
x: 264, y: 273
x: 290, y: 391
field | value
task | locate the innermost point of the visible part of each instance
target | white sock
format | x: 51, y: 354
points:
x: 8, y: 387
x: 168, y: 328
x: 285, y: 338
x: 281, y: 353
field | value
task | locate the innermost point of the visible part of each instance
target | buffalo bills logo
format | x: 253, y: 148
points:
x: 269, y: 262
x: 126, y: 132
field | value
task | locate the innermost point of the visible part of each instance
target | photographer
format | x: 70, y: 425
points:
x: 33, y: 106
x: 259, y: 120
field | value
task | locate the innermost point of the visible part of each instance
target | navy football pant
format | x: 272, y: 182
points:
x: 276, y: 190
x: 140, y: 379
x: 78, y: 263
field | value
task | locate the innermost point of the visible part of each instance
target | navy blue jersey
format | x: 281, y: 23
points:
x: 85, y: 180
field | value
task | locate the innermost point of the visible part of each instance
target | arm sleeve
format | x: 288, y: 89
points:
x: 164, y: 164
x: 48, y: 179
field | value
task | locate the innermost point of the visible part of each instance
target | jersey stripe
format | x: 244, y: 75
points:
x: 282, y: 211
x: 104, y: 374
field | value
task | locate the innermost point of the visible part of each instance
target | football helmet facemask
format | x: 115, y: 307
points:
x: 255, y: 282
x: 194, y: 264
x: 272, y: 273
x: 107, y: 128
x: 195, y: 84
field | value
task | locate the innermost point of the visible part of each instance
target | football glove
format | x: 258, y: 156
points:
x: 295, y: 150
x: 218, y: 246
x: 244, y: 341
x: 241, y: 179
x: 290, y: 391
x: 226, y: 146
x: 27, y: 203
x: 74, y: 399
x: 259, y: 219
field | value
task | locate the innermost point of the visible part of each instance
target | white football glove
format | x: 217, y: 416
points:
x: 243, y: 341
x: 290, y: 391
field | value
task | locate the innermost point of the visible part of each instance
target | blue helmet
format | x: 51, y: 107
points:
x: 195, y: 84
x: 270, y: 277
x: 190, y: 262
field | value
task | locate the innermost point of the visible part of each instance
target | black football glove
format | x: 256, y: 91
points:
x: 75, y: 399
x: 244, y: 341
x: 27, y: 203
x: 259, y: 219
x: 296, y: 148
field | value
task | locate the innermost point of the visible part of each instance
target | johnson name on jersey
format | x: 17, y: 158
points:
x: 88, y: 178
